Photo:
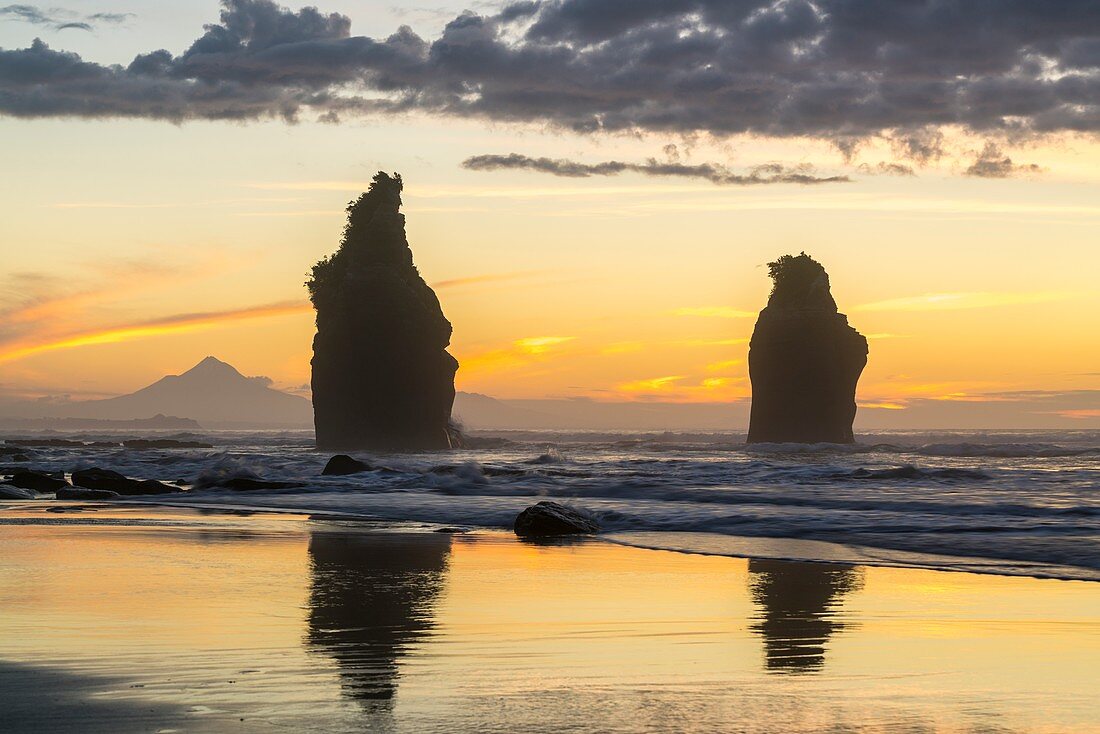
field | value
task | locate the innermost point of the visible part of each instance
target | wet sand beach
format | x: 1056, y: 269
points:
x: 119, y: 619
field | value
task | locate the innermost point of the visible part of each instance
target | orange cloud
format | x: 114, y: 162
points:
x: 154, y: 327
x: 491, y: 278
x: 672, y: 388
x: 962, y: 397
x: 713, y: 342
x: 541, y: 344
x: 952, y: 301
x: 724, y: 365
x: 1078, y: 413
x: 718, y: 312
x: 653, y: 384
x: 519, y: 353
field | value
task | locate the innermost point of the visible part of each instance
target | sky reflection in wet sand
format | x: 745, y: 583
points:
x: 195, y: 621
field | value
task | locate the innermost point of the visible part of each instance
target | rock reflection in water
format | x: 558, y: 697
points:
x: 371, y: 598
x: 798, y: 603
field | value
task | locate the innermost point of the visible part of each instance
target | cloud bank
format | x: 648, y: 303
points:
x: 59, y: 19
x: 769, y: 173
x: 841, y: 70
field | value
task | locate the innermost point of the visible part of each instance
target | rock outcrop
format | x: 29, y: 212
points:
x: 96, y: 478
x: 38, y: 481
x: 382, y: 378
x: 552, y: 518
x: 804, y: 360
x: 342, y: 465
x: 11, y: 492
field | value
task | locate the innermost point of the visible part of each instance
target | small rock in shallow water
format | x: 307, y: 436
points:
x: 37, y: 480
x: 8, y: 492
x: 342, y: 464
x: 551, y: 518
x: 80, y: 493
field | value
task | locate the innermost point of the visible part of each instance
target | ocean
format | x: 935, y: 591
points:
x: 1004, y: 502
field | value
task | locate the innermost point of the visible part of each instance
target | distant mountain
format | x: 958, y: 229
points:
x: 474, y: 410
x: 213, y: 393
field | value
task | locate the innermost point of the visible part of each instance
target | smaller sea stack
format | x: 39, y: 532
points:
x: 382, y: 377
x: 804, y: 360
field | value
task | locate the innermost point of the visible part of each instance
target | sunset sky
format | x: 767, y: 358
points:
x: 942, y: 164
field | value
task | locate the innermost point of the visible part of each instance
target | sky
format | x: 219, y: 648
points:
x: 593, y: 187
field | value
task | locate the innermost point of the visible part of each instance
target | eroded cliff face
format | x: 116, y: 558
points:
x: 382, y: 378
x: 804, y: 360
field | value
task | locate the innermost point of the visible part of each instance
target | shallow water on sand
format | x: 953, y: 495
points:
x: 139, y: 619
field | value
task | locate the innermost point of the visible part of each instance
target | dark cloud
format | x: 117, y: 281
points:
x: 27, y: 14
x: 885, y: 168
x: 114, y: 18
x: 60, y: 19
x: 843, y: 70
x: 923, y: 146
x: 772, y: 173
x: 993, y: 163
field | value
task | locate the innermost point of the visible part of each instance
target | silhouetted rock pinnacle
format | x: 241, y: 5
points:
x: 382, y: 378
x: 804, y: 360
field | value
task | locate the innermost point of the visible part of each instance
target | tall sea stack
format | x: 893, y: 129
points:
x: 804, y: 360
x: 382, y: 377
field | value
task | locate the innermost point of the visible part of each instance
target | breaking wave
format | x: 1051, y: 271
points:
x: 1022, y: 502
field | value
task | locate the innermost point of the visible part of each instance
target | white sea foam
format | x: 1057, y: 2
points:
x: 1019, y: 501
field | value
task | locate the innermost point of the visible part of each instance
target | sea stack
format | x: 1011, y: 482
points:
x: 804, y: 360
x: 382, y: 377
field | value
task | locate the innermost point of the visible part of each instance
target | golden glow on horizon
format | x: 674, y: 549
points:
x: 965, y: 287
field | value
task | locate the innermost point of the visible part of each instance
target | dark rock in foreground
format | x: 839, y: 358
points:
x: 551, y: 518
x: 9, y: 492
x: 164, y: 443
x: 97, y: 478
x: 342, y: 464
x: 81, y: 493
x: 804, y: 360
x: 38, y: 481
x: 382, y: 378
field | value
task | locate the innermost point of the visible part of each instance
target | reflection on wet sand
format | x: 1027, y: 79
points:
x: 799, y: 602
x: 371, y: 597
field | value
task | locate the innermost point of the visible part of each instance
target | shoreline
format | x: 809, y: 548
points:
x: 705, y: 543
